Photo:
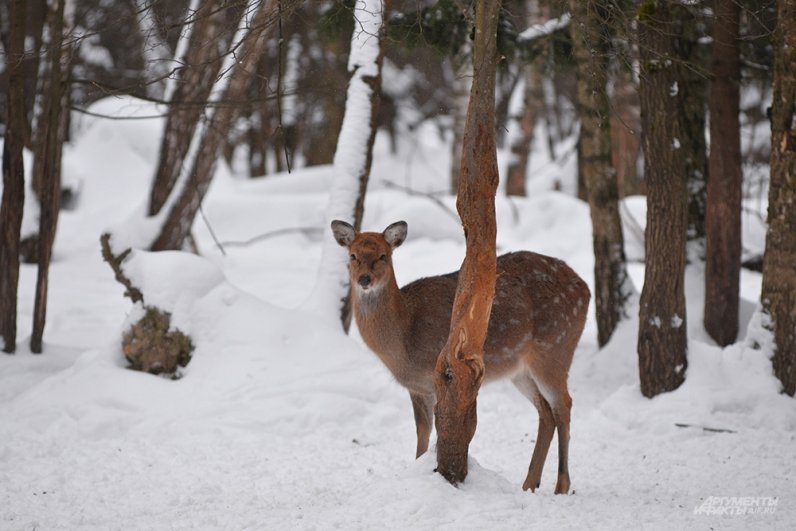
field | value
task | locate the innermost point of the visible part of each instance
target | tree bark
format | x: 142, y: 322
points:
x: 460, y: 366
x: 13, y: 177
x: 177, y: 224
x: 591, y: 43
x: 200, y: 67
x: 691, y: 91
x: 723, y: 209
x: 779, y: 274
x: 48, y: 152
x: 662, y: 338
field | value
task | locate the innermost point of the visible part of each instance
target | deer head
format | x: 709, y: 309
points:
x: 370, y: 253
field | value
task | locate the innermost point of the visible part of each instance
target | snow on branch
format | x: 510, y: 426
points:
x: 538, y: 31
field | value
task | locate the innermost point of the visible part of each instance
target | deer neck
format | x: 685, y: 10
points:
x: 382, y: 319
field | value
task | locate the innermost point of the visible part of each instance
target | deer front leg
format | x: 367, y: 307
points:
x: 423, y: 406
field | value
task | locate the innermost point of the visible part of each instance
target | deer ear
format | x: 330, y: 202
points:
x: 343, y: 232
x: 395, y: 234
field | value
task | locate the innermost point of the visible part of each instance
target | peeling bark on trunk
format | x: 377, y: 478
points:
x: 460, y: 366
x: 591, y: 44
x: 779, y: 274
x: 13, y: 178
x: 662, y: 339
x: 723, y: 209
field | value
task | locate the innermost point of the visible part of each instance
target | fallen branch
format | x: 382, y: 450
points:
x: 116, y: 264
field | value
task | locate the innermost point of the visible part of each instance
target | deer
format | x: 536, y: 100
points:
x: 538, y: 314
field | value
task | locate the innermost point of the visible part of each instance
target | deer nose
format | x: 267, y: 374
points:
x: 364, y: 281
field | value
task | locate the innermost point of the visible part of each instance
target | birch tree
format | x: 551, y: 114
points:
x: 354, y: 154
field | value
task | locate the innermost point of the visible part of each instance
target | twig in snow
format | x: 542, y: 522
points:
x: 704, y: 428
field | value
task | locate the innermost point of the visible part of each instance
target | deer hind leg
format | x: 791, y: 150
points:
x: 557, y: 396
x: 423, y: 406
x: 561, y: 413
x: 544, y: 436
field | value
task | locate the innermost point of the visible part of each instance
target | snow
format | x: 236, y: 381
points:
x: 351, y: 155
x: 541, y: 30
x: 281, y: 421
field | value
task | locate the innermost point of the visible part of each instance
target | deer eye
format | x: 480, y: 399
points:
x: 353, y: 257
x: 383, y: 258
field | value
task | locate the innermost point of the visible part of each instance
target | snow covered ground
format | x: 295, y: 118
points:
x: 282, y: 422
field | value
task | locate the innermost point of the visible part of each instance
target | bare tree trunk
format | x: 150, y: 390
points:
x: 460, y: 366
x: 691, y: 91
x: 13, y: 177
x: 182, y: 212
x: 201, y: 65
x: 53, y: 134
x: 591, y: 49
x: 723, y: 209
x: 779, y: 274
x: 662, y: 338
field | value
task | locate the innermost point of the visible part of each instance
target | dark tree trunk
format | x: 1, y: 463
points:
x: 13, y: 177
x: 200, y: 67
x: 177, y: 224
x: 48, y: 152
x: 723, y: 209
x: 691, y: 91
x: 460, y: 366
x: 591, y: 43
x: 662, y: 339
x: 779, y: 273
